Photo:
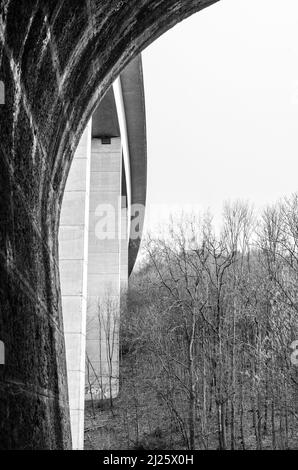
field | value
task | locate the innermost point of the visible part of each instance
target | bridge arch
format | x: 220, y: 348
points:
x: 57, y: 60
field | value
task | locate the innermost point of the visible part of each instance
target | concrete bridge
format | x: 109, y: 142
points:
x: 106, y: 188
x: 58, y: 59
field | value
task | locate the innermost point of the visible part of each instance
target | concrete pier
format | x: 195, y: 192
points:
x: 105, y: 180
x: 73, y: 261
x: 103, y: 312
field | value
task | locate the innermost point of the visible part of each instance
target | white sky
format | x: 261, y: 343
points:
x: 222, y: 107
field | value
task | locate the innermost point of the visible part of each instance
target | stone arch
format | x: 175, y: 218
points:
x: 57, y: 59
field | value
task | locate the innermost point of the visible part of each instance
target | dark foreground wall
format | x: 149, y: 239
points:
x: 57, y: 58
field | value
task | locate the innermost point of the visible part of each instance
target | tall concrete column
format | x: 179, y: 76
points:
x: 73, y: 258
x: 103, y: 309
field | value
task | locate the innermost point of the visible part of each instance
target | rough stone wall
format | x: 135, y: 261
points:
x: 57, y: 58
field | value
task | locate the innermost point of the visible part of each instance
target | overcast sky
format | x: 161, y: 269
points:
x: 222, y: 107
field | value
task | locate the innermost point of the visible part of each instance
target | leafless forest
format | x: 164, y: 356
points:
x: 208, y: 338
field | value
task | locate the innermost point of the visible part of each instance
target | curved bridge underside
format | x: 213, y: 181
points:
x: 57, y: 59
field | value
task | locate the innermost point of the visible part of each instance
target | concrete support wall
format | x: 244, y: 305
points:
x: 93, y: 261
x: 103, y: 309
x: 73, y: 258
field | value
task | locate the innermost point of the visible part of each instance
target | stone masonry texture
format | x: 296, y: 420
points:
x: 57, y: 59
